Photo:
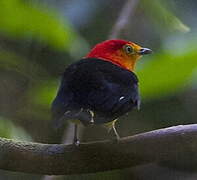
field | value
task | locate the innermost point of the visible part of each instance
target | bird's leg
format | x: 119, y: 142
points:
x: 76, y: 140
x: 92, y: 116
x: 115, y: 132
x: 112, y: 130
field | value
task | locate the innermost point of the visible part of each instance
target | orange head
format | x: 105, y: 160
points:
x: 120, y: 52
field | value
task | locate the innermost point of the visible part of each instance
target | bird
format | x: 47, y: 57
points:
x: 100, y: 87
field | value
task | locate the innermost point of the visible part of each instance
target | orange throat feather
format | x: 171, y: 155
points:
x: 118, y: 58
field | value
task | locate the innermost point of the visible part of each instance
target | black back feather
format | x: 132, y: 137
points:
x: 97, y: 85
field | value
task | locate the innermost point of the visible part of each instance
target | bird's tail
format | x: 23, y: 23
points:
x: 84, y: 116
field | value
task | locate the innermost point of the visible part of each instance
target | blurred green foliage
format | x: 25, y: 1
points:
x: 43, y: 94
x: 23, y: 19
x: 167, y: 74
x: 163, y: 18
x: 12, y: 131
x: 12, y: 62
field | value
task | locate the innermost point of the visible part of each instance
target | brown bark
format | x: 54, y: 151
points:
x: 175, y: 146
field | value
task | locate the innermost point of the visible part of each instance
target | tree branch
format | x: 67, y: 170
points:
x: 175, y: 146
x: 124, y: 17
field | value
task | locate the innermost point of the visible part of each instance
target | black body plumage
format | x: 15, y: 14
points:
x: 95, y: 91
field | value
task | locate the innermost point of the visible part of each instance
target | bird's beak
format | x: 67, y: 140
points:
x: 144, y: 51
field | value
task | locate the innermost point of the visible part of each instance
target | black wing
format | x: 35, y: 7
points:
x: 100, y: 86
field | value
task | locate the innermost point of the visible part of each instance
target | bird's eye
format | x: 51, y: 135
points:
x: 128, y: 49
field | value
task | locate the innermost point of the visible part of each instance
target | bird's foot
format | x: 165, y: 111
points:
x: 116, y: 139
x: 76, y: 142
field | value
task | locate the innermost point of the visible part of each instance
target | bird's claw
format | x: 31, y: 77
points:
x: 76, y: 142
x: 116, y: 139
